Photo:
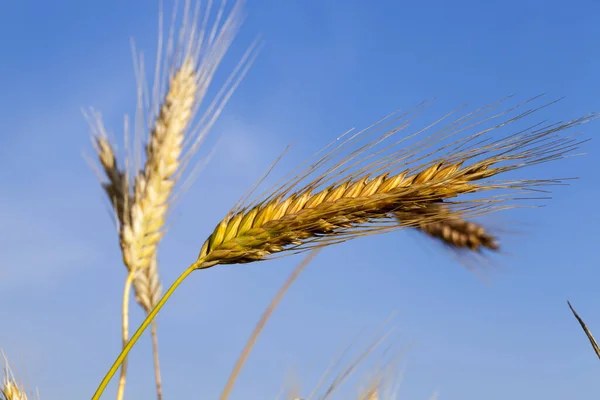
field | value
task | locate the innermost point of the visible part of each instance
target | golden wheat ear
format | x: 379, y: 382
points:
x: 362, y: 194
x: 341, y: 197
x: 11, y: 389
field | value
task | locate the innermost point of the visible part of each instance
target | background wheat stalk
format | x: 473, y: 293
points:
x: 141, y: 212
x: 363, y: 193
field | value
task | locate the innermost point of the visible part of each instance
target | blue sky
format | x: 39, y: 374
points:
x: 325, y: 67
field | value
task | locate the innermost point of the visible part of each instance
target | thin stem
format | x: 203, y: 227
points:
x: 125, y: 332
x: 157, y: 377
x: 149, y: 318
x: 262, y: 322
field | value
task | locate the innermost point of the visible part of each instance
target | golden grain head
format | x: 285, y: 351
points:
x: 154, y: 186
x: 11, y: 389
x: 363, y: 194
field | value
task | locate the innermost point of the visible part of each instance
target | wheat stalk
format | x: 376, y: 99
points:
x: 363, y: 193
x: 153, y: 189
x: 117, y: 189
x: 142, y: 213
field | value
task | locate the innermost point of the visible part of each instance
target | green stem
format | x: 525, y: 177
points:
x: 149, y: 318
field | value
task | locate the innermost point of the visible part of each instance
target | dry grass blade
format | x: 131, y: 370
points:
x: 586, y: 330
x: 342, y: 203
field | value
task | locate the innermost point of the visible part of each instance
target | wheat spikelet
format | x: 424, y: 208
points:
x: 147, y: 286
x: 460, y: 234
x: 117, y: 186
x: 11, y: 389
x: 372, y: 394
x: 268, y: 228
x: 154, y: 186
x: 366, y: 200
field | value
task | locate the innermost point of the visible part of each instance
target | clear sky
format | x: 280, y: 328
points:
x: 325, y: 67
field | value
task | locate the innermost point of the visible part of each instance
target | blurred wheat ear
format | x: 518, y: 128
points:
x: 454, y: 231
x: 141, y: 195
x: 11, y: 389
x: 587, y: 332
